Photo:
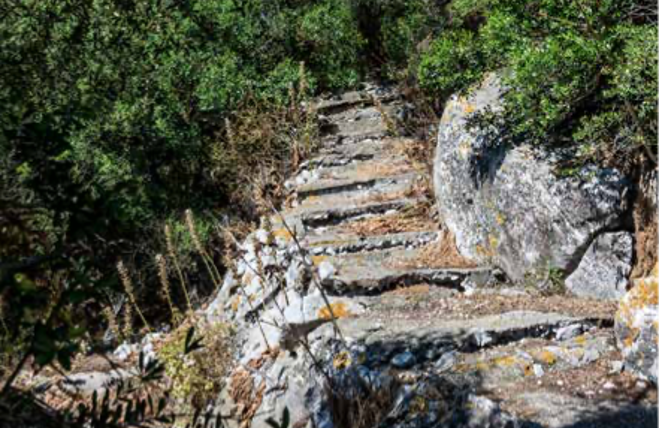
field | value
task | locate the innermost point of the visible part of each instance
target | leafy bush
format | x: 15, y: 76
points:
x: 582, y: 74
x: 329, y: 32
x: 112, y: 118
x: 452, y: 63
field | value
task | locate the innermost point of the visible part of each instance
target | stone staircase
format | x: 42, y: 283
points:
x: 463, y: 347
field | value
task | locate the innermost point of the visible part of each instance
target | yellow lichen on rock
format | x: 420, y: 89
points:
x: 235, y: 303
x: 317, y: 260
x: 636, y: 326
x: 341, y: 361
x: 283, y: 233
x: 546, y: 357
x: 338, y: 309
x: 643, y: 293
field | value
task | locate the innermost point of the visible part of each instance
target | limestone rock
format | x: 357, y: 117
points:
x: 636, y: 327
x: 506, y: 205
x: 603, y: 271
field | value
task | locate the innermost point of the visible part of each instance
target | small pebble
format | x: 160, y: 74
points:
x: 404, y: 360
x: 609, y: 385
x: 538, y: 370
x: 560, y: 383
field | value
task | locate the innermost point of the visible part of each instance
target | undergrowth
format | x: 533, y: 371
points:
x: 197, y: 377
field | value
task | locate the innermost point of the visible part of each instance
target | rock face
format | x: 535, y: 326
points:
x: 506, y: 206
x: 604, y: 269
x: 636, y: 327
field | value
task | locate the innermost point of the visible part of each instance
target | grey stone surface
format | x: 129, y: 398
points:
x: 464, y: 334
x: 374, y: 271
x: 636, y: 327
x: 556, y: 410
x: 506, y: 205
x: 603, y: 271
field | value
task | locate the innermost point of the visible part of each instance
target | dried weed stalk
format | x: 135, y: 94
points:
x: 125, y: 278
x: 165, y: 288
x: 169, y: 242
x: 206, y: 258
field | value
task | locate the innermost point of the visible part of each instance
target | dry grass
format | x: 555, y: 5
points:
x: 433, y: 305
x: 440, y: 253
x: 20, y: 409
x: 413, y: 219
x: 244, y: 392
x: 365, y: 410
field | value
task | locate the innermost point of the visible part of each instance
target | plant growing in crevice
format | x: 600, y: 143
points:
x: 197, y: 366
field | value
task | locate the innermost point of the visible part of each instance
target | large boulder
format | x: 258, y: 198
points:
x: 507, y: 206
x: 604, y: 270
x: 636, y: 327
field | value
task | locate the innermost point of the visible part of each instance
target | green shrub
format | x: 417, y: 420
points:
x: 112, y: 118
x: 627, y: 119
x: 582, y: 74
x: 452, y: 63
x: 550, y: 80
x: 329, y: 32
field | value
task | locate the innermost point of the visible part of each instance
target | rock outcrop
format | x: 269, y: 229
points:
x: 507, y: 206
x: 420, y: 339
x: 636, y: 326
x: 604, y: 270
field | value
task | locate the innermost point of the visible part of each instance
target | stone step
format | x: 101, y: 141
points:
x: 360, y: 181
x: 381, y: 168
x: 378, y: 271
x: 356, y: 130
x: 406, y: 187
x: 325, y: 217
x: 428, y: 340
x: 332, y: 244
x: 340, y: 103
x: 346, y: 100
x: 337, y: 153
x: 531, y: 357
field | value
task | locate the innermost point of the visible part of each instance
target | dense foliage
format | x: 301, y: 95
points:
x: 117, y: 116
x: 581, y: 74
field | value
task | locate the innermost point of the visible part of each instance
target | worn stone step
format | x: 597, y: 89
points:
x: 383, y: 337
x: 357, y: 130
x: 360, y: 181
x: 533, y: 358
x: 339, y: 103
x: 377, y: 271
x: 316, y: 218
x: 384, y: 167
x: 332, y: 243
x: 548, y: 408
x: 345, y: 100
x: 338, y: 153
x: 394, y: 188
